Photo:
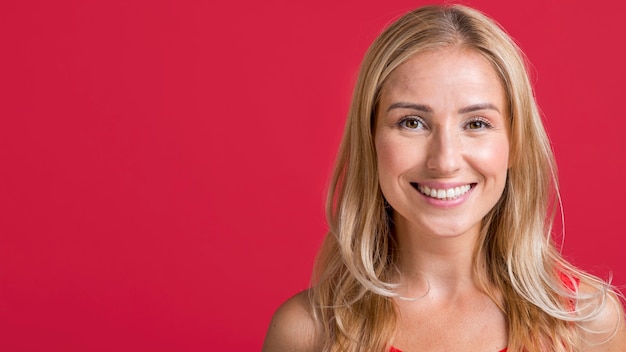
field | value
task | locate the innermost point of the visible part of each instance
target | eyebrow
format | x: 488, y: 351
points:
x: 426, y: 108
x: 402, y: 105
x: 477, y: 107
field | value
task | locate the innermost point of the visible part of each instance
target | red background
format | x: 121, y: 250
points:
x: 164, y: 163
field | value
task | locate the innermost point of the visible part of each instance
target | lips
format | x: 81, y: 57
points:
x: 443, y: 193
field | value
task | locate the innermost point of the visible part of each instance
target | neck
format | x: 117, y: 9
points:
x: 435, y: 265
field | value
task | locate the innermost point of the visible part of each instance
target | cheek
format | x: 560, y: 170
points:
x: 384, y: 156
x: 386, y: 164
x: 393, y: 157
x: 493, y: 158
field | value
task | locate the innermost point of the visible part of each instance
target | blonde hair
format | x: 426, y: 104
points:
x: 352, y: 292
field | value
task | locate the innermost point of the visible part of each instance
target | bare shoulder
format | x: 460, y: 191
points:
x: 293, y: 327
x: 606, y: 330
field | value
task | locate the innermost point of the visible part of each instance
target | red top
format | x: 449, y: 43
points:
x: 393, y: 349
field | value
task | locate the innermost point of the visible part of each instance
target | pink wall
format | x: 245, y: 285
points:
x: 163, y: 164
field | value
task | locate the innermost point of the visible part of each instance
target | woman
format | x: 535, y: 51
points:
x: 441, y: 209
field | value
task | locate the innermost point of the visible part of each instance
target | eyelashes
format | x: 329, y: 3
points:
x: 415, y: 123
x: 478, y: 123
x: 411, y: 123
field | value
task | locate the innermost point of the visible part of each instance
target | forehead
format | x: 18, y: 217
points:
x: 445, y: 73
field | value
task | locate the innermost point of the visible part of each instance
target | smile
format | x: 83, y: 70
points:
x: 442, y: 194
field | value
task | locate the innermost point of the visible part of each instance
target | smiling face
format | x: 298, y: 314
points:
x: 442, y: 143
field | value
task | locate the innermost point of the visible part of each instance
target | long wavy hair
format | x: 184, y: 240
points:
x: 352, y: 293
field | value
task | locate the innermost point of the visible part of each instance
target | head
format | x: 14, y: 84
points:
x: 357, y: 207
x: 356, y: 266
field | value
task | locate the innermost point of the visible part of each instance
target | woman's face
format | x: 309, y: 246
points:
x: 442, y: 142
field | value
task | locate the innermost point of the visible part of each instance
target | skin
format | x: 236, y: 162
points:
x: 292, y: 328
x: 440, y: 122
x: 607, y: 332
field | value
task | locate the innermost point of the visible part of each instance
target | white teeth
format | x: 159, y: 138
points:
x: 448, y: 194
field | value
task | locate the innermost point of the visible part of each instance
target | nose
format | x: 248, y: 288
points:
x: 444, y: 154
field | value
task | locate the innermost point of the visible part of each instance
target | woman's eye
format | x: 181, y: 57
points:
x: 411, y: 123
x: 478, y: 124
